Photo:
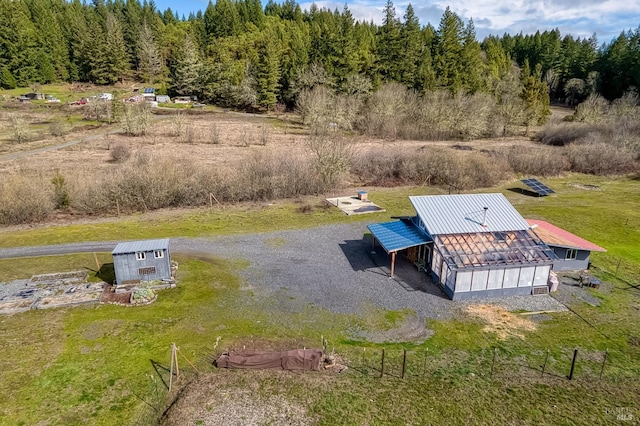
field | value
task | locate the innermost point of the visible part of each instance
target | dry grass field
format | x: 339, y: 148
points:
x: 211, y: 139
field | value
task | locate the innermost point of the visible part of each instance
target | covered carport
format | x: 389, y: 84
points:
x: 397, y: 236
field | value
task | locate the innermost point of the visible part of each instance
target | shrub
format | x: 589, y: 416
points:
x: 24, y: 199
x: 431, y: 166
x: 593, y: 110
x: 539, y: 161
x: 120, y: 153
x: 57, y: 128
x: 563, y: 133
x: 137, y: 119
x: 214, y: 134
x: 61, y: 192
x: 18, y: 128
x: 601, y: 158
x: 177, y: 124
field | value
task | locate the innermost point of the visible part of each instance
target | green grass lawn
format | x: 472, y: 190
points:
x: 94, y: 365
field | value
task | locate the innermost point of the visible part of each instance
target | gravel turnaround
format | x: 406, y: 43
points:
x: 329, y: 266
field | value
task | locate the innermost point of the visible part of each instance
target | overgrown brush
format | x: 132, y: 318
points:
x: 600, y: 158
x: 541, y: 161
x: 563, y: 133
x: 24, y: 199
x: 152, y: 183
x: 439, y: 166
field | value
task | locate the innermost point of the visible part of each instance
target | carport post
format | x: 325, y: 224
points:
x: 393, y: 263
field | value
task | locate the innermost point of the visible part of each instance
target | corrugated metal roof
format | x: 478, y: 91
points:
x: 554, y: 236
x: 398, y: 235
x: 464, y: 213
x: 136, y: 246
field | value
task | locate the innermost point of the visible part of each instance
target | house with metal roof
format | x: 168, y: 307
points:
x: 572, y: 251
x: 147, y: 260
x: 473, y: 245
x: 149, y: 93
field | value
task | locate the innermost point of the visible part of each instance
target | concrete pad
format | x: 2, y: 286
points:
x: 353, y: 205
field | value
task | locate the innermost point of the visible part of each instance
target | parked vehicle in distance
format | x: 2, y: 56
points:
x: 182, y: 100
x: 51, y: 99
x: 105, y: 96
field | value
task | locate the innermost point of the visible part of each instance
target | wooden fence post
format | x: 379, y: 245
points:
x: 424, y: 367
x: 364, y: 350
x: 175, y: 359
x: 544, y: 366
x: 171, y: 368
x: 404, y: 361
x: 382, y: 364
x: 573, y: 363
x: 495, y: 352
x: 606, y: 353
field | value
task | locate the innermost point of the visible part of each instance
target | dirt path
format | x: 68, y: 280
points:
x: 22, y: 154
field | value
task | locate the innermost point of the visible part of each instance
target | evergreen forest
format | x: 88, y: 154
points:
x: 240, y: 54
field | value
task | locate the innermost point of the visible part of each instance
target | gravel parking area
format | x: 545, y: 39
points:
x: 334, y: 267
x: 328, y: 266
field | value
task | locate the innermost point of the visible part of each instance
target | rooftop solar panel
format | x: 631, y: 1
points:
x: 538, y: 187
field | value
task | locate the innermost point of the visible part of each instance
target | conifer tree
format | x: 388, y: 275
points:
x: 388, y: 47
x: 268, y: 71
x: 150, y: 62
x: 411, y: 41
x: 471, y: 60
x: 188, y: 70
x: 449, y: 51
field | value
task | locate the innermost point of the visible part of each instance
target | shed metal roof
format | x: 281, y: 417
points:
x: 554, y: 236
x: 464, y: 213
x: 136, y: 246
x: 398, y: 235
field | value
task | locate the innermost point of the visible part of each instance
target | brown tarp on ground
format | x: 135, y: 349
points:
x: 297, y: 359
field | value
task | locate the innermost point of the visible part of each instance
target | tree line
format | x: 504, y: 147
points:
x: 239, y: 54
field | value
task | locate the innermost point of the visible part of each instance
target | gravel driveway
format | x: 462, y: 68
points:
x: 329, y: 266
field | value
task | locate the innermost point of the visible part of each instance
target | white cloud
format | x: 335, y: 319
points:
x: 579, y: 18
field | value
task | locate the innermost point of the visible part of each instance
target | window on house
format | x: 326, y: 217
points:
x: 572, y: 254
x: 147, y: 271
x: 158, y: 254
x: 140, y: 255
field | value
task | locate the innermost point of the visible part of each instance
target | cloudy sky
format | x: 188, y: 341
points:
x: 582, y: 18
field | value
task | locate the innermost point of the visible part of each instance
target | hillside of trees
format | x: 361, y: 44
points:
x: 239, y: 54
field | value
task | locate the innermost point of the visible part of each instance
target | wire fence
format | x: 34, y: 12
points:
x: 492, y: 363
x: 620, y: 268
x: 397, y: 363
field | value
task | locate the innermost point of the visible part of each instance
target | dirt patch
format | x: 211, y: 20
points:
x: 99, y: 329
x: 211, y: 401
x: 500, y: 321
x: 411, y: 330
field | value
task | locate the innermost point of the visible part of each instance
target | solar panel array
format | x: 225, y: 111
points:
x: 149, y: 90
x: 538, y: 187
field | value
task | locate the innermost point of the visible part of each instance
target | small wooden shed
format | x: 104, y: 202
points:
x: 147, y: 260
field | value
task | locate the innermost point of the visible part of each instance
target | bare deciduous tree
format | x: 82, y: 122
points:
x: 18, y: 128
x: 332, y: 154
x: 137, y: 119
